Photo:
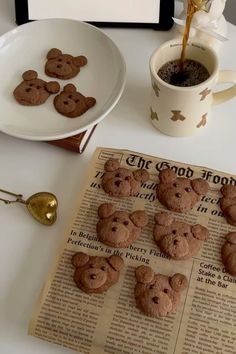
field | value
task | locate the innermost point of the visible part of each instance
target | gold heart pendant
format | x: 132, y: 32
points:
x: 42, y: 206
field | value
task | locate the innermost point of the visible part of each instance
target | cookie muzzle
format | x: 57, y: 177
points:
x: 28, y: 94
x: 93, y: 278
x: 156, y: 303
x: 59, y: 68
x: 175, y: 246
x: 115, y: 232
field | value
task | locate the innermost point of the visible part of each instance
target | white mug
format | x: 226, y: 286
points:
x: 184, y: 111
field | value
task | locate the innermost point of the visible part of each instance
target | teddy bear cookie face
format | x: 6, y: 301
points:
x: 122, y: 182
x: 178, y: 239
x: 228, y: 253
x: 119, y: 228
x: 33, y: 91
x: 178, y: 193
x: 228, y: 203
x: 96, y: 274
x: 72, y: 103
x: 158, y: 295
x: 63, y: 66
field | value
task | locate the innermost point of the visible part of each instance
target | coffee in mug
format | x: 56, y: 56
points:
x: 185, y: 110
x: 190, y: 74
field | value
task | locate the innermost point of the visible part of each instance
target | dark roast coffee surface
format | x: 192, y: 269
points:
x: 192, y: 73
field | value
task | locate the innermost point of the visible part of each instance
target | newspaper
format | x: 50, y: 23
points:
x: 205, y: 322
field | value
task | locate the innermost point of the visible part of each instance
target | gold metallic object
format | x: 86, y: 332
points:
x: 201, y: 5
x: 42, y: 206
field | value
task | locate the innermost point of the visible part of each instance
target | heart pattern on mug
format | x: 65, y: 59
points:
x: 43, y: 207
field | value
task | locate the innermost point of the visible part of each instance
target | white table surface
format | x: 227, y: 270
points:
x: 26, y: 247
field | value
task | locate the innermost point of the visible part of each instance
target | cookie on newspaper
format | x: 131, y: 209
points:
x: 178, y: 193
x: 96, y: 274
x: 228, y: 253
x: 228, y: 203
x: 122, y: 182
x: 178, y: 239
x: 63, y: 66
x: 118, y: 228
x: 157, y: 294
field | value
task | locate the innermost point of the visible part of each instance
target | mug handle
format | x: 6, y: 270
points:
x: 225, y: 76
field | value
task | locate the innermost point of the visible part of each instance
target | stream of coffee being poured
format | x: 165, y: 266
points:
x: 193, y: 6
x: 184, y: 71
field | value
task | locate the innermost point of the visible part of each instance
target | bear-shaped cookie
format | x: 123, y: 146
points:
x: 122, y: 182
x: 228, y: 253
x: 157, y: 294
x: 118, y: 228
x: 228, y: 203
x: 177, y: 239
x: 179, y: 193
x: 63, y: 66
x: 72, y: 103
x: 33, y: 91
x: 95, y: 274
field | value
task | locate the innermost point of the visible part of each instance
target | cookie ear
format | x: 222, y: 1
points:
x: 112, y: 165
x: 231, y: 237
x: 105, y: 210
x: 54, y: 53
x: 79, y: 259
x: 80, y: 60
x: 69, y: 88
x: 144, y: 274
x: 141, y: 175
x: 200, y: 186
x: 228, y: 191
x: 167, y: 176
x: 29, y: 75
x: 90, y: 101
x: 178, y: 282
x: 116, y: 262
x: 163, y: 219
x: 139, y: 218
x: 52, y: 87
x: 200, y: 232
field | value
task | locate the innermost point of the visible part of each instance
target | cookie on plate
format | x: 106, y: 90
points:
x: 63, y: 66
x: 33, y: 91
x: 72, y: 103
x: 178, y: 193
x: 158, y: 295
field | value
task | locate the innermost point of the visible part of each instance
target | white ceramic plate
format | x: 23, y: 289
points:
x: 26, y: 48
